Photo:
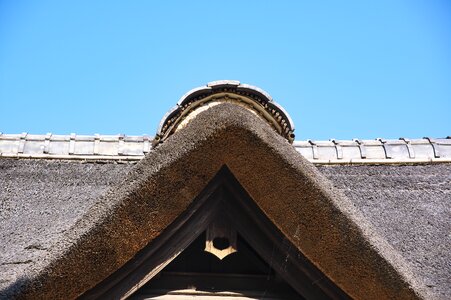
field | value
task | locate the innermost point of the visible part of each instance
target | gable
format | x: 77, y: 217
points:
x: 222, y: 204
x: 419, y: 193
x: 318, y: 220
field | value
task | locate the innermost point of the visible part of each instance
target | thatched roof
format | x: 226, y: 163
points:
x: 377, y: 231
x: 39, y: 201
x: 410, y: 206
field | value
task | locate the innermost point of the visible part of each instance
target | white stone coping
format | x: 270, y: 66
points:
x: 133, y: 148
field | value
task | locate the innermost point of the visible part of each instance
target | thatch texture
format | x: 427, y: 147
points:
x: 69, y: 221
x: 39, y: 201
x: 410, y: 206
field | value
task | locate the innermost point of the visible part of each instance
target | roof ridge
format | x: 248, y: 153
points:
x: 4, y: 135
x: 135, y: 147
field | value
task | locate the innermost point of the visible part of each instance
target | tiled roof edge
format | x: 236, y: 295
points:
x: 132, y: 148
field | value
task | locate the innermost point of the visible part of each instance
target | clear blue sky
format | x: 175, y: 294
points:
x: 342, y: 69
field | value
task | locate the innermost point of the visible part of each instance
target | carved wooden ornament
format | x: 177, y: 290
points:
x: 221, y: 238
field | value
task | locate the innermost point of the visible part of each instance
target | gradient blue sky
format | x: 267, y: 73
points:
x: 342, y: 69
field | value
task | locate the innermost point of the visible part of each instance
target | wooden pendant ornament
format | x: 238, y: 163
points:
x: 221, y: 239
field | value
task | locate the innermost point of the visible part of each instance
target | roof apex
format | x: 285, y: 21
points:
x: 232, y: 91
x: 320, y: 221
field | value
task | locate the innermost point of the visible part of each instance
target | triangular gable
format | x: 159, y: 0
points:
x: 315, y: 218
x: 223, y: 201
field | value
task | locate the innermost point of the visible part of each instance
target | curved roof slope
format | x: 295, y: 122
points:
x: 316, y: 217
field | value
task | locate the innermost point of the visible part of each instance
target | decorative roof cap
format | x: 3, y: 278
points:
x: 125, y: 147
x: 247, y: 96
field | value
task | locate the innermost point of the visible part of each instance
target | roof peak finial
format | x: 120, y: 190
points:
x: 215, y: 92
